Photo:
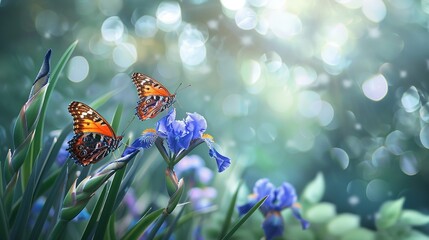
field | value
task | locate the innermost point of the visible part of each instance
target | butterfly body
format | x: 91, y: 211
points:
x: 154, y: 97
x: 94, y: 137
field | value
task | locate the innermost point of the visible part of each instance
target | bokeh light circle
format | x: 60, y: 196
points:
x: 409, y: 164
x: 375, y: 88
x: 309, y: 104
x: 146, y: 27
x: 374, y: 10
x: 125, y: 55
x: 246, y: 18
x: 326, y: 114
x: 410, y: 99
x: 78, y: 69
x: 424, y: 112
x: 377, y: 190
x: 169, y: 16
x: 48, y: 24
x: 233, y: 5
x: 340, y: 156
x: 331, y: 54
x: 424, y: 136
x: 283, y: 24
x: 112, y: 29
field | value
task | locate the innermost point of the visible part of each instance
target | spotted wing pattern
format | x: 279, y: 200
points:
x: 94, y: 138
x: 154, y: 97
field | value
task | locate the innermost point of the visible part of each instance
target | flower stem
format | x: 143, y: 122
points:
x: 193, y: 145
x: 158, y: 225
x: 159, y: 144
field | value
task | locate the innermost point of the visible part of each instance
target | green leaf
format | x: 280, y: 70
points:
x: 92, y: 223
x: 133, y: 168
x: 141, y: 225
x: 117, y: 117
x: 320, y: 213
x: 109, y: 204
x: 103, y: 99
x: 173, y: 225
x: 111, y: 229
x: 59, y: 186
x: 389, y: 213
x: 413, y: 218
x: 314, y: 191
x: 29, y: 193
x: 231, y: 209
x: 4, y: 226
x: 296, y: 232
x: 415, y: 235
x: 359, y: 234
x: 50, y: 87
x: 244, y: 219
x: 343, y: 223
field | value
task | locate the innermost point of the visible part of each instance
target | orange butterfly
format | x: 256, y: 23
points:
x: 154, y: 97
x: 94, y: 138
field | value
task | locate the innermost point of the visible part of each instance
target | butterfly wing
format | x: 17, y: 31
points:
x: 154, y: 97
x: 94, y: 137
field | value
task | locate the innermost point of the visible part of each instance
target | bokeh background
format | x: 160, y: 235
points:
x: 289, y: 88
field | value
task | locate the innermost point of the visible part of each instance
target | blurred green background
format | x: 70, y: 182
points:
x: 289, y: 88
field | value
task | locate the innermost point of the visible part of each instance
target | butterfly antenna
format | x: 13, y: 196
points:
x: 177, y: 89
x: 128, y: 125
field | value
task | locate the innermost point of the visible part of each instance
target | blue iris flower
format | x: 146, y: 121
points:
x: 146, y: 140
x: 279, y: 198
x: 180, y: 135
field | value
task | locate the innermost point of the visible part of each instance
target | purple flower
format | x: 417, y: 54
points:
x: 194, y: 167
x: 278, y: 199
x: 146, y: 140
x: 221, y: 161
x: 130, y: 201
x: 182, y: 135
x: 202, y: 198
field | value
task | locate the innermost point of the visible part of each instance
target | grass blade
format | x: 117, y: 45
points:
x: 117, y: 117
x: 93, y: 221
x: 27, y: 200
x: 59, y: 186
x: 4, y: 226
x: 141, y: 225
x: 38, y: 139
x: 231, y: 209
x: 108, y: 206
x: 174, y: 224
x: 111, y: 229
x: 103, y: 99
x: 244, y: 219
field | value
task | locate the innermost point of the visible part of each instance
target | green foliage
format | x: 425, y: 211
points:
x: 313, y: 192
x: 243, y: 219
x: 389, y: 214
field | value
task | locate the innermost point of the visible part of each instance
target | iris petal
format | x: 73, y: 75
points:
x: 243, y: 209
x: 304, y: 223
x: 286, y: 195
x: 196, y: 124
x: 146, y: 140
x: 163, y: 126
x: 221, y: 161
x: 273, y: 226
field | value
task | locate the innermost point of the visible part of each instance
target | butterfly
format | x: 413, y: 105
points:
x: 154, y: 97
x: 94, y: 138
